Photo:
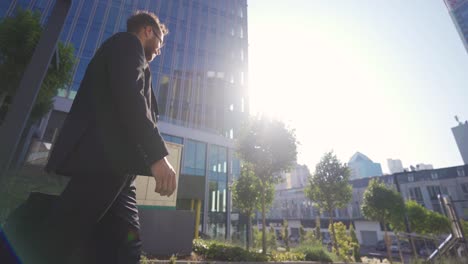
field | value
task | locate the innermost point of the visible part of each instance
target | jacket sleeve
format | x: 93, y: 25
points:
x: 126, y: 72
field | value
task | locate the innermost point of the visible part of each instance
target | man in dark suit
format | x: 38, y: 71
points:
x: 108, y: 138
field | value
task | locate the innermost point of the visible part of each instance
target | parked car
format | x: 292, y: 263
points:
x: 405, y: 246
x: 380, y: 246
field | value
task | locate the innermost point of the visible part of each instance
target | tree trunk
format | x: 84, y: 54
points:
x: 413, y: 246
x: 249, y: 231
x: 387, y: 244
x: 334, y: 242
x: 399, y: 248
x: 264, y: 250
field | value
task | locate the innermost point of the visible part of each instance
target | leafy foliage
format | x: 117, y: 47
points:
x: 19, y: 36
x: 381, y: 203
x: 272, y: 244
x: 213, y: 250
x: 271, y: 239
x: 314, y: 252
x: 287, y: 256
x: 302, y: 234
x: 345, y: 243
x: 356, y: 246
x: 246, y: 194
x: 385, y: 205
x: 285, y: 234
x: 270, y: 147
x: 425, y: 221
x: 329, y: 186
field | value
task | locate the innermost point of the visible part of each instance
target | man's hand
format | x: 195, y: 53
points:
x: 165, y: 178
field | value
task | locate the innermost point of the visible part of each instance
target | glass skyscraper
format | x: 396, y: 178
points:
x: 458, y: 10
x: 200, y: 81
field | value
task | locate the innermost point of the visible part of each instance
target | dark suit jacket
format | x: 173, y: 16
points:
x: 111, y: 126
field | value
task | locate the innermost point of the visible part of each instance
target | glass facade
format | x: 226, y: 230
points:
x: 200, y: 79
x: 459, y: 12
x: 194, y: 158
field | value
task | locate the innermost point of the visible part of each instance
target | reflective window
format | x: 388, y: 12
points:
x: 173, y: 139
x: 194, y: 158
x: 162, y: 94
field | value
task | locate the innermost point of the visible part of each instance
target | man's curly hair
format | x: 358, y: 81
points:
x: 142, y: 19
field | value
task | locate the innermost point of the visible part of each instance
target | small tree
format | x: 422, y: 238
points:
x: 329, y: 187
x: 19, y: 36
x: 272, y: 239
x: 383, y: 204
x: 285, y: 234
x: 437, y: 224
x: 318, y: 233
x: 302, y: 234
x: 271, y: 149
x: 246, y: 196
x: 344, y: 241
x: 424, y: 221
x: 356, y: 246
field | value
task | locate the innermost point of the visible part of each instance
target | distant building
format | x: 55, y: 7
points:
x: 458, y: 10
x: 362, y: 167
x: 422, y: 166
x: 395, y: 166
x: 460, y: 133
x: 296, y: 178
x: 421, y: 186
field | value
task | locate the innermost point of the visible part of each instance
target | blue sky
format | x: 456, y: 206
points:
x: 385, y: 78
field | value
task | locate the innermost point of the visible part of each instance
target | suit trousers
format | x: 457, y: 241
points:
x: 88, y: 223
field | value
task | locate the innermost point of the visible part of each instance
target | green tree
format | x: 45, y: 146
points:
x: 329, y: 187
x: 317, y: 232
x: 246, y: 193
x: 19, y: 36
x: 344, y: 241
x: 285, y: 234
x: 272, y: 239
x: 270, y: 147
x: 424, y: 221
x: 356, y: 246
x: 384, y: 205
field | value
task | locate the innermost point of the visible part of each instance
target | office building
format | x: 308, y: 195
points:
x: 200, y: 82
x: 296, y: 178
x: 421, y: 186
x: 395, y: 165
x: 361, y: 166
x: 460, y: 134
x: 458, y: 10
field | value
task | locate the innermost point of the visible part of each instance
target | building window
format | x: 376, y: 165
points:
x: 173, y: 139
x: 434, y: 175
x: 415, y: 194
x: 410, y: 177
x: 464, y: 187
x: 461, y: 172
x: 194, y: 158
x: 433, y: 192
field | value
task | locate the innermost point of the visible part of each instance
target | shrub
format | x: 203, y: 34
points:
x: 200, y: 246
x: 313, y: 253
x: 286, y: 256
x: 317, y: 254
x: 344, y: 241
x: 220, y: 251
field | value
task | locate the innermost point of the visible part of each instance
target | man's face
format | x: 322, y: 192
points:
x: 153, y: 44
